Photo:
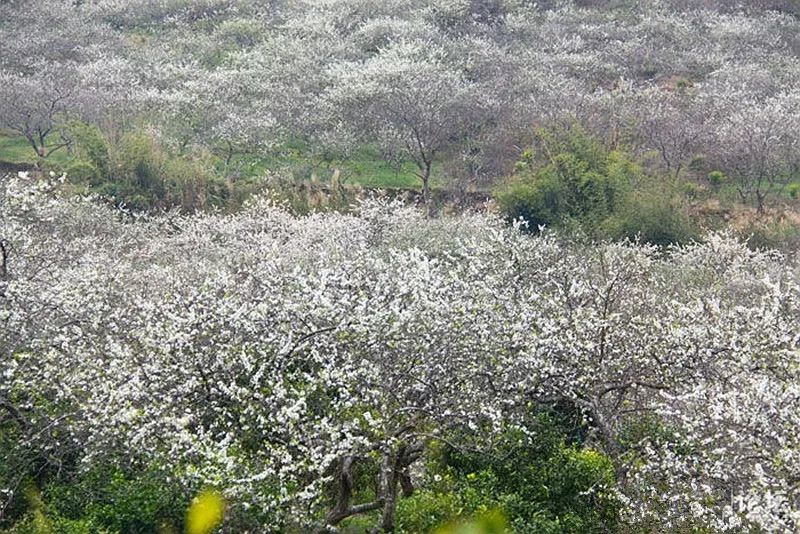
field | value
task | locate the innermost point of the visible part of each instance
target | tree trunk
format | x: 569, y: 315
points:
x: 760, y: 197
x: 388, y: 485
x: 394, y: 476
x: 426, y: 188
x: 345, y: 492
x: 4, y: 246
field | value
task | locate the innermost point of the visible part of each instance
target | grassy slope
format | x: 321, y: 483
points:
x: 364, y: 168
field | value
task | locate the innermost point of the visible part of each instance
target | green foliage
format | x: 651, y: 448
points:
x: 429, y: 508
x: 581, y: 183
x: 793, y: 190
x: 716, y: 178
x: 652, y: 218
x: 37, y: 522
x: 765, y: 235
x: 88, y: 145
x: 491, y: 522
x: 120, y: 501
x: 698, y: 163
x: 141, y: 174
x: 603, y: 193
x: 138, y: 160
x: 84, y: 173
x: 106, y: 499
x: 550, y: 483
x: 191, y: 184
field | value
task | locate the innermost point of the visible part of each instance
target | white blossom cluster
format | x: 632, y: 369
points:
x: 266, y: 353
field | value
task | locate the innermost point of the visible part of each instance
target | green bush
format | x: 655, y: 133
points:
x: 89, y: 145
x: 39, y: 522
x: 143, y: 175
x: 137, y: 160
x: 603, y: 193
x: 698, y: 163
x: 106, y: 499
x: 652, y: 217
x: 83, y: 173
x: 780, y: 235
x: 716, y: 178
x: 551, y: 484
x: 192, y: 184
x: 582, y: 183
x: 120, y: 501
x: 430, y: 508
x: 793, y: 190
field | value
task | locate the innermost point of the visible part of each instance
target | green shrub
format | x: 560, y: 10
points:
x: 716, y: 178
x: 84, y: 173
x: 603, y: 193
x: 653, y: 218
x: 37, y: 522
x: 145, y: 176
x: 191, y: 184
x: 551, y: 484
x: 793, y: 190
x: 89, y: 145
x: 106, y: 499
x: 138, y: 160
x: 425, y: 510
x: 582, y: 183
x: 698, y: 163
x: 489, y: 522
x: 780, y: 235
x: 119, y: 501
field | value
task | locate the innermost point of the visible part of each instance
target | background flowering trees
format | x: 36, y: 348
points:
x: 453, y: 89
x: 410, y: 103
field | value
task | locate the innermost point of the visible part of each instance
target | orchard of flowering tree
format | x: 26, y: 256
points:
x: 407, y: 266
x: 392, y: 369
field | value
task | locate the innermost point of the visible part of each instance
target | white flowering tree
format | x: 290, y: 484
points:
x: 280, y: 358
x: 409, y: 103
x: 758, y: 145
x: 32, y: 106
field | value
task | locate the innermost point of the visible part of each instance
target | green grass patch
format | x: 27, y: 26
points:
x: 15, y: 149
x: 363, y: 168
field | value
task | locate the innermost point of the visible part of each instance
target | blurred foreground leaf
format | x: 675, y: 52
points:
x: 205, y: 513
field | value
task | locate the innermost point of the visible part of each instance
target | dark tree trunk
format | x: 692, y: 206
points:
x: 426, y: 187
x: 760, y: 198
x: 4, y: 246
x: 344, y: 493
x: 389, y: 479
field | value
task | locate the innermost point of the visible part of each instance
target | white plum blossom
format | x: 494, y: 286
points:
x: 270, y: 354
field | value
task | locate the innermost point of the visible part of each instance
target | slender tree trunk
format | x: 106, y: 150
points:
x: 345, y: 491
x: 394, y: 477
x: 344, y: 494
x: 426, y: 188
x: 228, y: 155
x: 4, y: 246
x: 42, y: 150
x: 760, y: 202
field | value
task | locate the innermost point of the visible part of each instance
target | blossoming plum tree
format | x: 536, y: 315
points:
x: 280, y: 358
